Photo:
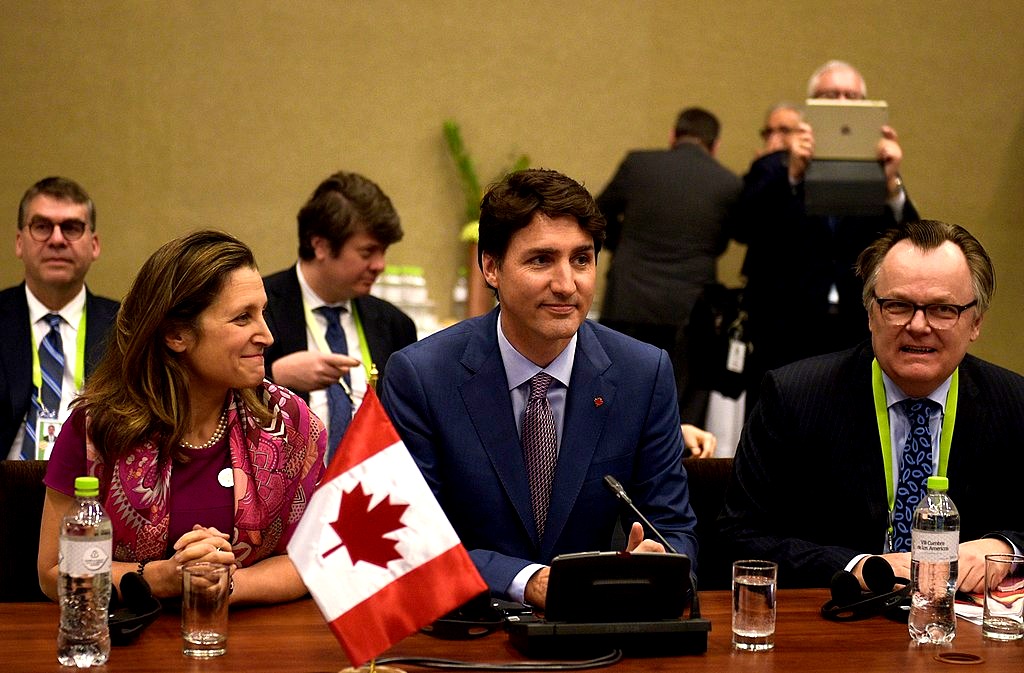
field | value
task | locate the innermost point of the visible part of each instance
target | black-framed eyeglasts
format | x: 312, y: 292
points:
x: 41, y: 229
x: 898, y: 312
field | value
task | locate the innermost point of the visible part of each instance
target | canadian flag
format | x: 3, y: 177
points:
x: 374, y: 548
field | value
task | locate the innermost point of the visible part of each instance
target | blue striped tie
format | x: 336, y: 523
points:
x: 51, y: 365
x: 339, y: 405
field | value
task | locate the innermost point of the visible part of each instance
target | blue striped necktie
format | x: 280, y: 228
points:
x: 47, y: 402
x: 915, y: 468
x: 339, y: 405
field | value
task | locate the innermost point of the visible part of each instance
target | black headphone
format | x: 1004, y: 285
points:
x: 850, y: 604
x: 476, y: 618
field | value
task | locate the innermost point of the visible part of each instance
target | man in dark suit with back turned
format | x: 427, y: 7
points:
x: 667, y: 213
x: 819, y: 478
x: 344, y: 231
x: 57, y: 243
x: 516, y: 416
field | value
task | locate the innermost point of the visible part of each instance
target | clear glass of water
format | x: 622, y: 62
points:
x: 753, y: 605
x: 1003, y: 618
x: 204, y: 609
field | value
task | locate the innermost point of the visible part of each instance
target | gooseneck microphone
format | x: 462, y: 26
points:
x: 615, y: 487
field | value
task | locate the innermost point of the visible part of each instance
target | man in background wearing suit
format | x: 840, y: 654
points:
x: 799, y: 267
x: 516, y: 416
x: 51, y: 310
x: 331, y: 338
x: 819, y: 476
x: 667, y: 213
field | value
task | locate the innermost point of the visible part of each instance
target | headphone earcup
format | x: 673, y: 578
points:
x: 845, y: 588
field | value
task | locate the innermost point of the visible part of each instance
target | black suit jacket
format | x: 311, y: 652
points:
x: 667, y: 213
x: 808, y: 486
x: 792, y: 261
x: 16, y: 389
x: 387, y: 329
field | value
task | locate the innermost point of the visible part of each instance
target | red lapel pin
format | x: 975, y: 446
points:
x: 598, y: 401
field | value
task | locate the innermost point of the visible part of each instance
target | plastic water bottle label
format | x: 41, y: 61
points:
x: 82, y: 558
x: 935, y: 546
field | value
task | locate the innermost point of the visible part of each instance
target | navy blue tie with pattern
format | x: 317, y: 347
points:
x: 915, y: 468
x: 540, y: 447
x: 51, y: 366
x: 339, y: 404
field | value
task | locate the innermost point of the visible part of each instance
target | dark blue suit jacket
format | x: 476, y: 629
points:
x: 448, y: 397
x: 385, y: 326
x: 808, y: 487
x: 16, y: 389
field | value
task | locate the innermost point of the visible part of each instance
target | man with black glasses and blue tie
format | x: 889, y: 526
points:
x: 54, y: 329
x: 822, y: 475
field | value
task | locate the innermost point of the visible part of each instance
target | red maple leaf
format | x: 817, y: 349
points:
x: 362, y: 529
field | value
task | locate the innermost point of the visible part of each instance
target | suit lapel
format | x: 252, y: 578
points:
x: 17, y: 350
x: 590, y: 398
x: 489, y: 405
x: 291, y: 324
x: 370, y: 318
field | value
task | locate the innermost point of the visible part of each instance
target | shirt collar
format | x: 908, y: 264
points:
x: 894, y: 395
x: 519, y: 370
x: 71, y: 312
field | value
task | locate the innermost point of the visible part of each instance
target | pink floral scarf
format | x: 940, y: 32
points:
x: 275, y: 470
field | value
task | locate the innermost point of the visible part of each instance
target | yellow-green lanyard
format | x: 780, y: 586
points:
x: 37, y: 370
x: 320, y: 338
x: 885, y: 436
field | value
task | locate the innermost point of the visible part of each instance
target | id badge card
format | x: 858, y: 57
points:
x: 47, y: 429
x: 737, y: 356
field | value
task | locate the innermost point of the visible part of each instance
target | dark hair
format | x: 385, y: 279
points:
x: 510, y: 204
x: 928, y: 235
x: 140, y: 389
x: 345, y: 204
x: 61, y: 189
x: 698, y: 123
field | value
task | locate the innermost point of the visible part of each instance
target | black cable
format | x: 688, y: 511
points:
x: 453, y: 664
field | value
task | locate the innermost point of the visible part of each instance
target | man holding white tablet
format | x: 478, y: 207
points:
x: 802, y: 296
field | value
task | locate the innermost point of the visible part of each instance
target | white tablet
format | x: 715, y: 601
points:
x: 846, y: 129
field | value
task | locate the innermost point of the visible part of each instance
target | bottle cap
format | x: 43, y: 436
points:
x: 87, y: 487
x: 938, y: 484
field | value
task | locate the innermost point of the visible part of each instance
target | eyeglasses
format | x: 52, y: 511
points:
x: 899, y: 313
x: 837, y: 94
x: 41, y: 229
x: 768, y: 131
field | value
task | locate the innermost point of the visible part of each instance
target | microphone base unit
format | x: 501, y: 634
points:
x: 539, y: 639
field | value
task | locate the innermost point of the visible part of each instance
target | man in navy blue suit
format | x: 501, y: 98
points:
x: 461, y: 401
x: 57, y: 242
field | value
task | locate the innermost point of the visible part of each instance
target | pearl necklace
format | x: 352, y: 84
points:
x: 222, y: 425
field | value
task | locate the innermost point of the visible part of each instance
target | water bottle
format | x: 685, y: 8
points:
x: 83, y: 579
x: 935, y: 540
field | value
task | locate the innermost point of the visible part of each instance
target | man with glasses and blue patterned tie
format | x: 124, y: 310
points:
x: 332, y: 339
x: 835, y: 454
x: 54, y: 329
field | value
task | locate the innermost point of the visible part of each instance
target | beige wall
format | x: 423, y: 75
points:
x: 178, y: 115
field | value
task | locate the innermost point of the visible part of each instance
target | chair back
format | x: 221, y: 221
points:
x: 21, y: 509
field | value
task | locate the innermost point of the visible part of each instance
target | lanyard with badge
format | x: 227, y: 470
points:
x: 885, y: 436
x: 320, y: 339
x: 46, y: 419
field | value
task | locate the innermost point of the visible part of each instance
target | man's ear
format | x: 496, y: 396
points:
x: 321, y: 248
x: 489, y: 266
